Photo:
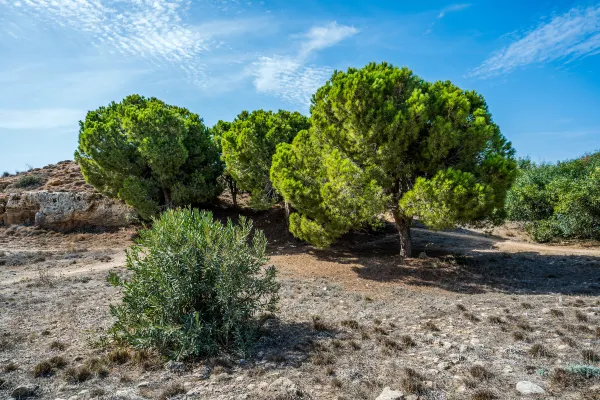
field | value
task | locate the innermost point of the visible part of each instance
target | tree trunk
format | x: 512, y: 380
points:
x: 167, y: 195
x: 403, y: 226
x: 233, y: 191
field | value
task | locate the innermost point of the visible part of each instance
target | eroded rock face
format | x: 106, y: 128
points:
x: 64, y: 210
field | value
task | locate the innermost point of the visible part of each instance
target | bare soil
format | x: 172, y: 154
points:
x: 467, y: 318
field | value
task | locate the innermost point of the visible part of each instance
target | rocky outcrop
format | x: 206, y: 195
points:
x: 63, y: 211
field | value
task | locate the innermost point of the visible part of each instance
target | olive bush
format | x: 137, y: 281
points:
x: 196, y: 286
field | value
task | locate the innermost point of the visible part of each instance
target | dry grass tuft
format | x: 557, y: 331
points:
x: 380, y: 330
x: 350, y: 323
x: 430, y: 326
x: 569, y: 341
x: 590, y: 357
x: 57, y: 345
x: 525, y: 326
x: 557, y: 313
x: 407, y: 341
x: 411, y: 382
x: 461, y: 307
x: 519, y: 336
x: 494, y: 319
x: 539, y: 350
x: 171, y: 391
x: 10, y: 367
x: 480, y: 372
x: 119, y: 356
x: 563, y: 379
x: 336, y: 383
x: 43, y: 370
x: 581, y: 317
x: 471, y: 317
x: 78, y: 375
x: 483, y: 394
x: 526, y: 306
x: 319, y: 325
x: 323, y: 358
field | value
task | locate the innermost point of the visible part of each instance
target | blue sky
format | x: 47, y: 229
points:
x: 536, y: 62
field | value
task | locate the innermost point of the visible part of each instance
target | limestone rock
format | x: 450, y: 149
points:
x: 526, y: 387
x: 389, y: 394
x: 65, y: 211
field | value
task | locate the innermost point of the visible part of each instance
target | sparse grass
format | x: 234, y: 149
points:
x: 589, y: 356
x: 483, y: 394
x: 379, y: 330
x: 430, y: 326
x: 323, y: 358
x: 391, y: 344
x: 336, y: 383
x: 411, y: 382
x: 407, y: 341
x: 43, y: 369
x: 364, y: 335
x: 581, y: 317
x: 494, y: 319
x: 526, y: 306
x: 171, y: 391
x: 119, y: 356
x: 58, y: 362
x: 568, y: 341
x: 57, y: 345
x: 557, y: 313
x: 480, y: 372
x: 10, y: 367
x: 319, y: 325
x: 355, y: 345
x: 471, y: 317
x: 350, y: 323
x: 78, y: 374
x: 539, y: 350
x: 525, y: 326
x: 28, y: 181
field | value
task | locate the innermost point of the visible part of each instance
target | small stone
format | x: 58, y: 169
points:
x: 251, y: 387
x: 263, y: 385
x: 526, y: 387
x: 126, y: 394
x: 203, y: 372
x: 222, y: 377
x: 423, y: 255
x: 412, y: 397
x: 447, y: 345
x: 25, y: 391
x: 175, y: 366
x: 143, y: 384
x: 443, y: 366
x: 463, y: 348
x: 389, y: 394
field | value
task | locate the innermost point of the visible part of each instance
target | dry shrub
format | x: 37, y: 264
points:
x: 412, y: 382
x: 480, y: 372
x: 173, y: 390
x: 483, y: 394
x: 430, y: 326
x: 350, y: 323
x: 539, y: 350
x: 78, y: 375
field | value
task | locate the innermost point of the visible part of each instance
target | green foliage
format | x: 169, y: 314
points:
x: 586, y: 371
x: 28, y: 181
x: 248, y: 145
x: 382, y: 139
x: 558, y: 201
x: 150, y: 154
x: 195, y: 286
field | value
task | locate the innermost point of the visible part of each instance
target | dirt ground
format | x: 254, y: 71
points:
x: 467, y: 318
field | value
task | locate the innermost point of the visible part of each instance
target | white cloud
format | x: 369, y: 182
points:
x: 289, y: 77
x: 42, y: 119
x: 569, y: 36
x: 321, y: 37
x: 446, y: 10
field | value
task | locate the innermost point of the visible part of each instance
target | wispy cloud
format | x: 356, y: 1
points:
x: 321, y: 37
x: 569, y: 36
x: 155, y: 30
x: 44, y: 118
x: 445, y: 11
x: 290, y: 77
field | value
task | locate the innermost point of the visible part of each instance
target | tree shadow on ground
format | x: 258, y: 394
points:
x: 459, y: 260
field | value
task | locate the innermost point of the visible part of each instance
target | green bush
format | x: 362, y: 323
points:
x: 558, y: 200
x: 196, y: 286
x: 248, y: 145
x: 150, y: 154
x: 28, y: 181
